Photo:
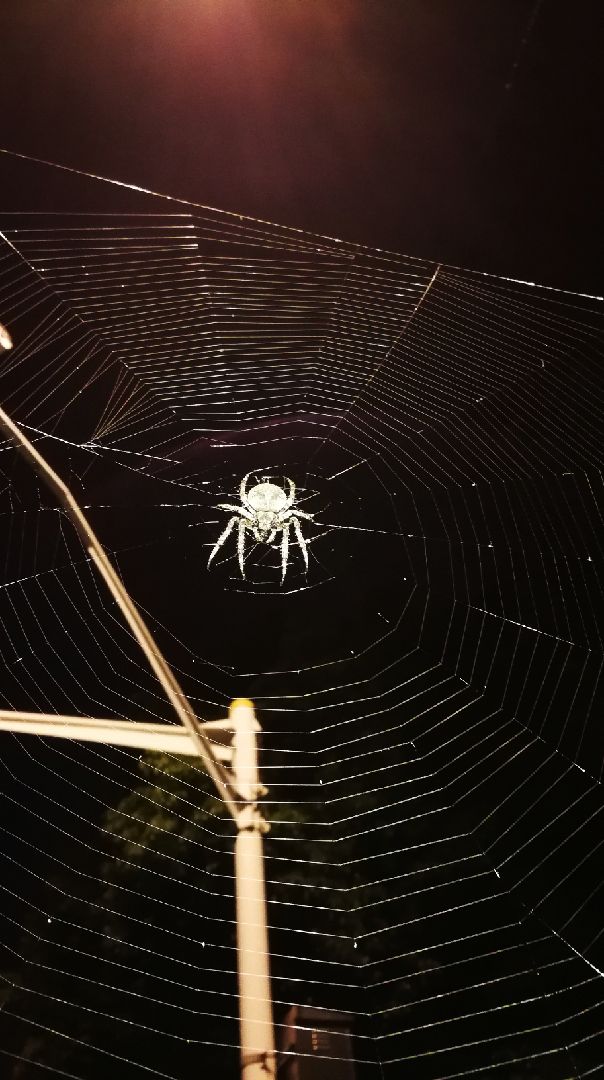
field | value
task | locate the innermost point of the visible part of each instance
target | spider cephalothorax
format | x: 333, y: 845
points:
x: 265, y: 510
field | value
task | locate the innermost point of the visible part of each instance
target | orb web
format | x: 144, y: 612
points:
x: 430, y: 688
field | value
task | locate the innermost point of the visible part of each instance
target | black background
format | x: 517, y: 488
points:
x: 467, y: 132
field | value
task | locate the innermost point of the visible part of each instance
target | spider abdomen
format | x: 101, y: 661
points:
x: 267, y: 498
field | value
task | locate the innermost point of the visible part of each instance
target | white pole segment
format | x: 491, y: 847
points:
x: 159, y: 738
x: 258, y: 1061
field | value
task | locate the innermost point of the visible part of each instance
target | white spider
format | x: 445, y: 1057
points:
x: 264, y: 512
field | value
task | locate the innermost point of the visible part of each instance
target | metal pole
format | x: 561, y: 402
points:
x: 257, y: 1040
x: 258, y: 1061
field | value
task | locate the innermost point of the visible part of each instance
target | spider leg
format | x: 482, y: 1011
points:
x: 241, y: 545
x: 301, y: 513
x: 243, y: 490
x: 292, y: 493
x: 284, y: 549
x: 222, y: 537
x: 238, y: 509
x: 301, y: 540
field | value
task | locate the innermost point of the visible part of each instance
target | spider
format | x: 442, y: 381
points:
x: 264, y: 511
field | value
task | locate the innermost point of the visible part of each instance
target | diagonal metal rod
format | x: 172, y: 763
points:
x: 166, y: 677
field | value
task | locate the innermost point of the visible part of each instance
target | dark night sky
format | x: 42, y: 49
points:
x: 460, y: 130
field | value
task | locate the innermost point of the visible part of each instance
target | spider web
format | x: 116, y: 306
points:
x: 430, y: 690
